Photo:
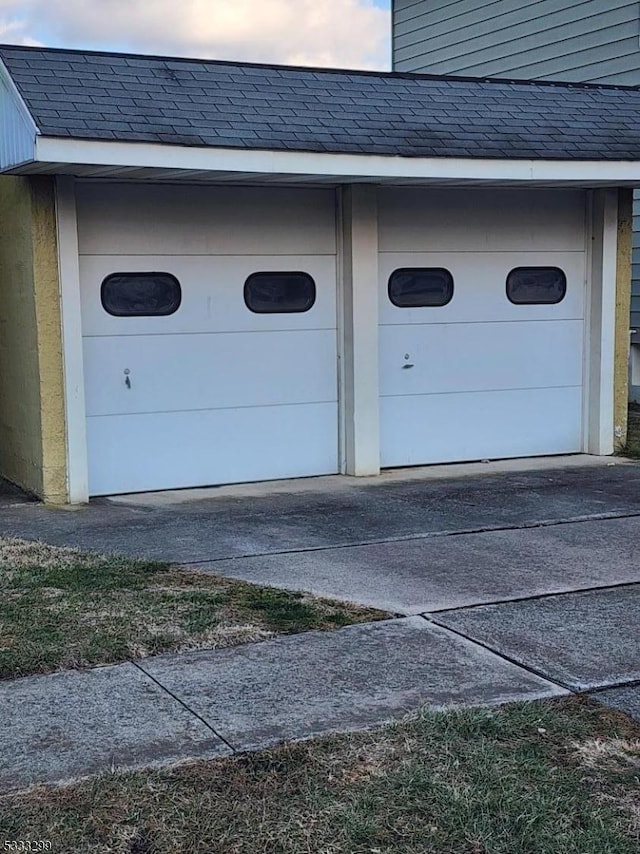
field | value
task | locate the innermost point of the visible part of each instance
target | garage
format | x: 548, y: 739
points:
x: 209, y: 334
x: 482, y: 306
x: 225, y: 273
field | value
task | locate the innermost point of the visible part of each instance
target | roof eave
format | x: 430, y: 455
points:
x: 112, y: 159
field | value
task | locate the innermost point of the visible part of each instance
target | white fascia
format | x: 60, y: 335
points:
x: 342, y: 167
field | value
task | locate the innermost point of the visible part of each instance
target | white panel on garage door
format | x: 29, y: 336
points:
x: 481, y: 220
x: 481, y: 377
x: 127, y: 219
x: 215, y: 303
x: 479, y: 425
x: 213, y: 393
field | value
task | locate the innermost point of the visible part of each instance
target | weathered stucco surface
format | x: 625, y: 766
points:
x: 623, y: 308
x: 32, y: 424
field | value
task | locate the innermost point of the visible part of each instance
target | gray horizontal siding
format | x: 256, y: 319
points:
x: 482, y: 30
x: 593, y: 40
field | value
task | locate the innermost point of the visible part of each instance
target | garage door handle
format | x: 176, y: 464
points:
x: 406, y: 367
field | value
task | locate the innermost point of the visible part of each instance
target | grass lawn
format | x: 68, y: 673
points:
x: 632, y: 448
x: 62, y: 609
x: 554, y: 777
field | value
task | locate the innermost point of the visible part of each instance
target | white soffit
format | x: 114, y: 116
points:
x: 149, y: 161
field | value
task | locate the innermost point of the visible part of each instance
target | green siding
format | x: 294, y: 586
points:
x: 592, y: 40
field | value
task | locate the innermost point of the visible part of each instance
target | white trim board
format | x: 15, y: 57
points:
x: 72, y: 350
x: 58, y: 153
x: 601, y: 322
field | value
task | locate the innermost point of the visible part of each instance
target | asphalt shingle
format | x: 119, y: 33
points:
x: 195, y: 102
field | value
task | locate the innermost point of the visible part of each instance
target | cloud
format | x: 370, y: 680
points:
x: 348, y: 33
x: 12, y: 29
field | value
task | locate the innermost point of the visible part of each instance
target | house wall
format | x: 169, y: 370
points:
x: 32, y: 424
x: 588, y: 41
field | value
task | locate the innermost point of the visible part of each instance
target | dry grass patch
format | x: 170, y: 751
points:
x: 614, y: 753
x: 62, y: 608
x: 523, y: 779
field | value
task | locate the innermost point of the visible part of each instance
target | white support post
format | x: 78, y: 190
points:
x: 360, y: 388
x: 72, y: 353
x: 601, y: 322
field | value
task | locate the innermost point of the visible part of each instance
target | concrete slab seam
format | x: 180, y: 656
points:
x: 532, y: 670
x: 430, y: 535
x: 536, y: 597
x: 630, y: 683
x: 185, y: 706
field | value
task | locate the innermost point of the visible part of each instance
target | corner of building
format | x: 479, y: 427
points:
x: 33, y: 451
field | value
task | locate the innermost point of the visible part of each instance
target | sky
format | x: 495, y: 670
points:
x: 338, y: 33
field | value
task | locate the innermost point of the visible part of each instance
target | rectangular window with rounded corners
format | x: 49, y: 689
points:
x: 141, y: 294
x: 421, y: 287
x: 279, y: 293
x: 536, y: 286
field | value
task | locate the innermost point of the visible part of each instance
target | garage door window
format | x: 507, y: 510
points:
x: 141, y: 294
x: 536, y: 286
x: 279, y: 293
x: 421, y: 287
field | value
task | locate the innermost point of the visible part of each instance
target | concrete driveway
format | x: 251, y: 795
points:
x: 536, y: 561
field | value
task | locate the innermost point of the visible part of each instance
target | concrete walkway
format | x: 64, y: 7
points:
x: 208, y: 704
x: 510, y: 583
x: 171, y: 708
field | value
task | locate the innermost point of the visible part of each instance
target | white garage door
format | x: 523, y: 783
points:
x: 482, y: 325
x: 209, y: 324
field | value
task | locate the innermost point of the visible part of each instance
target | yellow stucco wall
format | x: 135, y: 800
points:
x: 623, y: 308
x: 32, y: 423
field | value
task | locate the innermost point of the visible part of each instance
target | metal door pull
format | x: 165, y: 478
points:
x: 406, y: 367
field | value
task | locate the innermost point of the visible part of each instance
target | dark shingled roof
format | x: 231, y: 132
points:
x: 93, y: 95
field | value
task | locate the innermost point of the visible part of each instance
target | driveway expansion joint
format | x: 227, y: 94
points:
x: 427, y: 535
x: 629, y: 683
x: 514, y: 661
x: 534, y: 597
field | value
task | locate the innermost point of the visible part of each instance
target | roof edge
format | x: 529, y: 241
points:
x: 394, y: 75
x: 73, y: 156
